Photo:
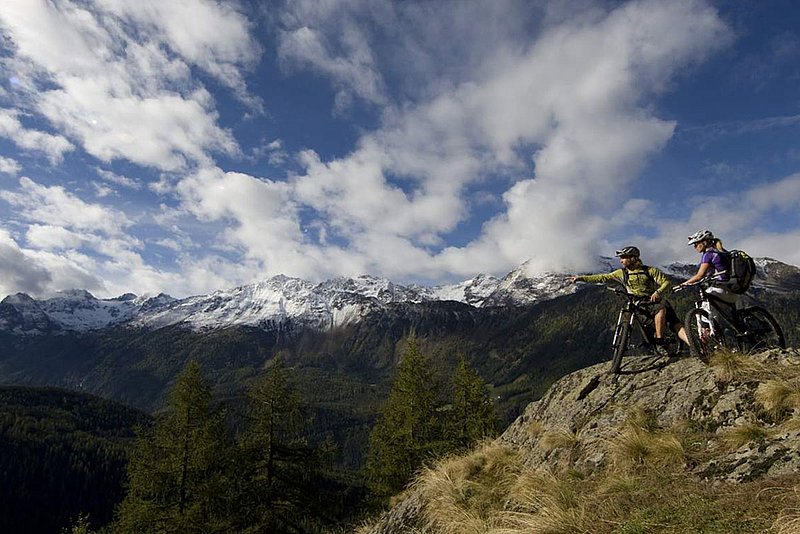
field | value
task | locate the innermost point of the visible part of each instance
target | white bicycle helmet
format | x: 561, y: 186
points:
x: 700, y: 236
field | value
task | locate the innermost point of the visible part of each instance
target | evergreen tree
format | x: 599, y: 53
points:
x: 178, y: 472
x: 472, y: 416
x: 278, y: 469
x: 408, y: 431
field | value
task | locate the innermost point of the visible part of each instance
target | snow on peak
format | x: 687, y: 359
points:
x: 473, y: 292
x: 285, y: 301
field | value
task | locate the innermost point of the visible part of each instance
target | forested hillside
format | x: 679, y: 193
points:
x: 344, y: 373
x: 63, y: 441
x: 62, y: 454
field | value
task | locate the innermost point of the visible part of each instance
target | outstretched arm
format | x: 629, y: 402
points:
x: 615, y: 276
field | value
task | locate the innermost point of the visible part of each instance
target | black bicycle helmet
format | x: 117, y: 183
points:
x: 628, y: 251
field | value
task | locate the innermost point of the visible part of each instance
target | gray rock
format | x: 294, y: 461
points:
x: 572, y: 424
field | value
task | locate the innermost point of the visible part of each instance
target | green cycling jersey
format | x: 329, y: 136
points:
x: 642, y: 281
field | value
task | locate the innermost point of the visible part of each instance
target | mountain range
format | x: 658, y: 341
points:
x: 272, y: 302
x: 341, y: 339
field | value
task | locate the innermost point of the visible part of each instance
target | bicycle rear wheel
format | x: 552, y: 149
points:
x: 620, y: 345
x: 705, y: 335
x: 762, y: 331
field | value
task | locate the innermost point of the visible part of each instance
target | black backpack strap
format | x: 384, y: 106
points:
x: 626, y: 276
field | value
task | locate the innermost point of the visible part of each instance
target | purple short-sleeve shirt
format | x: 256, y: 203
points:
x: 718, y: 264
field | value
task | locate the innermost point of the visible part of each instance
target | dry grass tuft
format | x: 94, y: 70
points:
x: 788, y: 521
x: 534, y: 428
x: 640, y: 417
x: 779, y: 396
x: 635, y: 447
x: 793, y: 423
x: 560, y: 438
x: 462, y: 493
x: 545, y: 503
x: 731, y: 366
x: 364, y: 528
x: 744, y: 434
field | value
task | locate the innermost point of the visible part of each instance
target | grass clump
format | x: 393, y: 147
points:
x: 462, y: 493
x: 640, y: 443
x: 534, y: 428
x: 490, y: 491
x: 646, y: 486
x: 733, y: 366
x: 547, y: 503
x: 779, y: 396
x: 743, y: 434
x: 560, y: 438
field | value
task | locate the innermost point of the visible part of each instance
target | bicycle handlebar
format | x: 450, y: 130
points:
x: 703, y: 283
x: 639, y: 299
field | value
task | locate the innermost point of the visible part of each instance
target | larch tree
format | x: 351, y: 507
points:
x: 472, y: 416
x: 408, y: 431
x: 178, y: 472
x: 279, y: 468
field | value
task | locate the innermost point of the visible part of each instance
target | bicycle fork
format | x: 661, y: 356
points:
x: 621, y: 324
x: 705, y: 324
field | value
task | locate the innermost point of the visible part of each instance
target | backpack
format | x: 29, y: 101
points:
x: 742, y: 271
x: 626, y: 276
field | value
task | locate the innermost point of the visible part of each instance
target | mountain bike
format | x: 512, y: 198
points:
x: 636, y: 321
x: 715, y: 324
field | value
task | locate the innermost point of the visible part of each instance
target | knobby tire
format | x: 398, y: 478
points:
x: 762, y: 330
x: 701, y: 343
x: 620, y: 347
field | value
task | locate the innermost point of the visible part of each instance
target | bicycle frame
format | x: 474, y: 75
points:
x: 750, y: 327
x: 633, y: 312
x: 635, y: 315
x: 723, y: 309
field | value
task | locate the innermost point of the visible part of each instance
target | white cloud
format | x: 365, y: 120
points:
x: 9, y: 166
x: 738, y: 217
x: 166, y: 132
x: 576, y: 98
x: 18, y: 272
x: 118, y: 179
x: 53, y: 146
x: 218, y: 40
x: 125, y: 89
x: 352, y: 74
x: 549, y: 108
x: 262, y: 218
x: 50, y: 237
x: 273, y: 151
x: 58, y: 207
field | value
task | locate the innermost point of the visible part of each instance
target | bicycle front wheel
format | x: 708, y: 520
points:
x: 705, y: 335
x: 621, y: 337
x: 761, y: 330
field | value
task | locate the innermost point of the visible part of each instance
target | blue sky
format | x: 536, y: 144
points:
x: 196, y: 145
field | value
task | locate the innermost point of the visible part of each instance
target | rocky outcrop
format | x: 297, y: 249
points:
x: 589, y: 407
x: 571, y: 426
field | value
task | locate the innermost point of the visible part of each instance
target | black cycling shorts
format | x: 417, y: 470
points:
x: 672, y: 317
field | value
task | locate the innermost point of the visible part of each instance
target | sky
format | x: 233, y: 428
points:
x: 186, y: 146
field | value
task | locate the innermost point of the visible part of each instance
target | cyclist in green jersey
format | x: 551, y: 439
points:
x: 646, y: 282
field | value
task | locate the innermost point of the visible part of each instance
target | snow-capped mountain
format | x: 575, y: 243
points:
x: 473, y: 292
x: 519, y: 287
x: 266, y: 303
x: 275, y: 301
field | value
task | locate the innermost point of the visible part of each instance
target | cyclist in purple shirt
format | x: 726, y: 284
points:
x: 715, y: 263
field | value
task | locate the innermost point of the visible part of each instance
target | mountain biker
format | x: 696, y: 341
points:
x: 646, y: 282
x: 714, y: 263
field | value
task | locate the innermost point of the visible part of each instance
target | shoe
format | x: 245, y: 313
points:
x: 660, y: 348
